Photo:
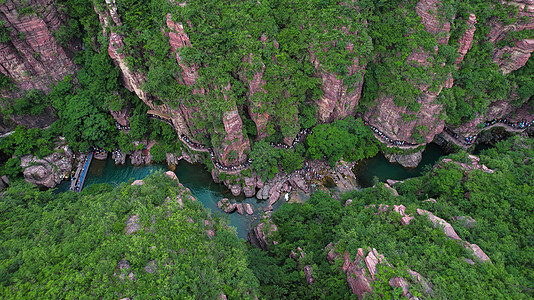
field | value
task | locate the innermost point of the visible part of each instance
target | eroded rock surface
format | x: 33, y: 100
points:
x: 48, y: 171
x: 33, y: 56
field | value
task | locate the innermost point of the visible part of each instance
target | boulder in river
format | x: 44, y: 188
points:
x: 226, y: 206
x: 240, y: 209
x: 248, y: 208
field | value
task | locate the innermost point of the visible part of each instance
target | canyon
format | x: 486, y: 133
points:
x: 34, y: 59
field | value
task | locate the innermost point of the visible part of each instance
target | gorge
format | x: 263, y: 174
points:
x: 254, y: 103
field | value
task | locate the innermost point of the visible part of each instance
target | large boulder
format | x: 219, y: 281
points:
x: 405, y: 160
x: 226, y: 206
x: 132, y: 225
x: 48, y: 171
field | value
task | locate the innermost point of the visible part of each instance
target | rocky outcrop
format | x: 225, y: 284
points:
x: 357, y: 278
x: 514, y: 55
x: 4, y: 182
x: 406, y: 160
x: 124, y: 267
x: 261, y: 235
x: 178, y: 39
x: 121, y: 116
x: 449, y: 232
x: 361, y: 273
x: 426, y: 122
x: 33, y: 56
x: 256, y: 107
x: 389, y: 118
x: 511, y: 58
x: 132, y: 225
x: 400, y: 209
x: 48, y: 171
x: 338, y: 100
x: 466, y: 41
x: 225, y: 205
x: 299, y: 256
x: 429, y: 11
x: 468, y: 167
x: 236, y: 146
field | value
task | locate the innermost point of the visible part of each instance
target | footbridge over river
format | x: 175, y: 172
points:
x: 81, y: 173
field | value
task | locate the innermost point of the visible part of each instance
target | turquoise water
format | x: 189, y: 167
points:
x: 380, y: 167
x: 199, y: 181
x: 194, y: 177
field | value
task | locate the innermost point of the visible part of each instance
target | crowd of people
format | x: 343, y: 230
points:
x: 467, y: 140
x: 116, y: 155
x: 216, y: 163
x: 519, y: 125
x: 387, y: 138
x: 193, y: 144
x: 99, y: 151
x: 299, y: 138
x: 120, y: 127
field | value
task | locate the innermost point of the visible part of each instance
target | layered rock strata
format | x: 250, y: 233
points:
x: 33, y: 57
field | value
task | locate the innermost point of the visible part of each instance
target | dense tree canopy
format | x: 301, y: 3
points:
x: 74, y: 245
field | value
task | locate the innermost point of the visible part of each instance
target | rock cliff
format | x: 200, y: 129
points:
x: 31, y: 55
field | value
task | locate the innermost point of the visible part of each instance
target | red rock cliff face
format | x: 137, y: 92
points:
x: 132, y: 80
x: 33, y: 57
x: 512, y: 57
x: 338, y: 101
x: 388, y: 117
x: 255, y: 93
x: 509, y: 58
x: 235, y: 146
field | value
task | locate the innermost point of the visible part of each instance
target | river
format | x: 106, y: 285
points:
x: 195, y: 177
x: 380, y: 167
x: 199, y: 181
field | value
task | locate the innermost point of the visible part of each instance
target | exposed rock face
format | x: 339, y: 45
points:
x: 518, y: 55
x: 255, y: 91
x: 132, y: 225
x: 439, y: 222
x: 449, y: 232
x: 519, y: 52
x: 427, y: 286
x: 358, y: 281
x: 468, y: 167
x: 226, y: 206
x: 48, y: 171
x: 405, y: 160
x: 388, y: 118
x: 307, y: 269
x: 261, y: 234
x: 121, y: 116
x: 338, y: 100
x: 400, y: 209
x: 466, y: 41
x: 248, y: 208
x: 466, y: 220
x: 33, y: 57
x: 236, y: 146
x: 428, y: 11
x: 178, y: 39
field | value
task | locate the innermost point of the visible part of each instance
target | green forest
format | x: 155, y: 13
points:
x: 75, y: 245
